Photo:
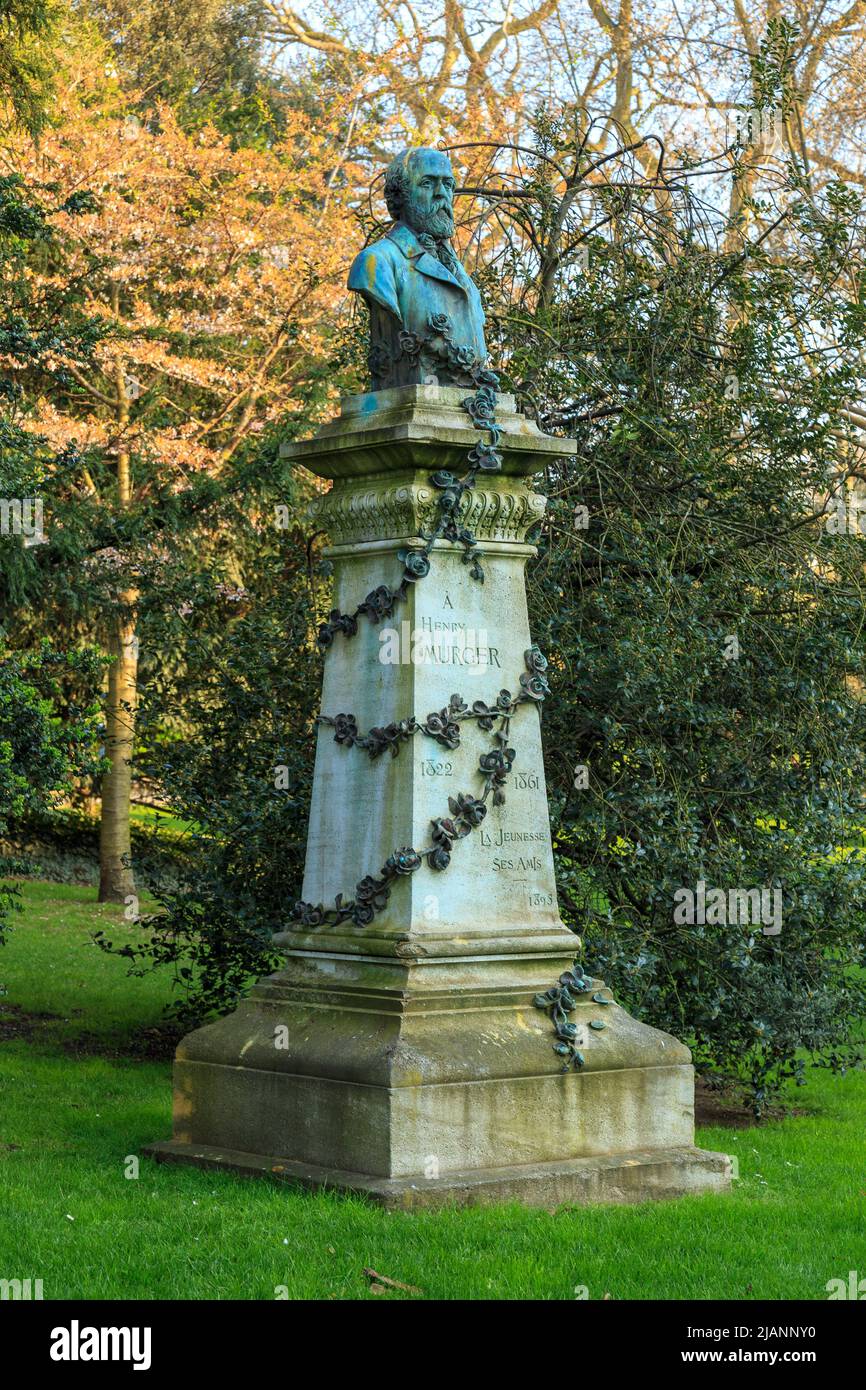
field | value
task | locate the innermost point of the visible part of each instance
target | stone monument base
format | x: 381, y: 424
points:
x: 420, y: 1083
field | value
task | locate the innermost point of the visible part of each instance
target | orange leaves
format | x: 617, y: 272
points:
x: 222, y: 267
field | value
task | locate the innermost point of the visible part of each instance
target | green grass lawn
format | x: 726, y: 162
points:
x: 74, y: 1107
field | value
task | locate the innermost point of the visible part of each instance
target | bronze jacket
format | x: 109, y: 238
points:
x: 396, y: 275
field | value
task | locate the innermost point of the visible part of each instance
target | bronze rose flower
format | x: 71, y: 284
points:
x: 404, y: 861
x: 416, y: 564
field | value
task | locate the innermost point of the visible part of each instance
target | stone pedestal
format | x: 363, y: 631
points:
x: 405, y: 1058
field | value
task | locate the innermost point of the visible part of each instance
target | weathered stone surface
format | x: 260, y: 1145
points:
x: 641, y: 1176
x: 384, y: 1052
x: 388, y: 1076
x: 451, y: 636
x: 407, y: 428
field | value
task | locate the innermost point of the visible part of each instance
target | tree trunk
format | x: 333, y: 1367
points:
x: 116, y: 880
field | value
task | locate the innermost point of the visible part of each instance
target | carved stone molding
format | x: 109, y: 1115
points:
x: 500, y: 509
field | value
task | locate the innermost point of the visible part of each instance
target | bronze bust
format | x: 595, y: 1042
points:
x: 426, y: 317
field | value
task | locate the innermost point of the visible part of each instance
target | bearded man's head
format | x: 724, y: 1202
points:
x: 419, y: 190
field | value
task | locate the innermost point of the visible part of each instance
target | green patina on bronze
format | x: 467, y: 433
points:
x: 411, y: 279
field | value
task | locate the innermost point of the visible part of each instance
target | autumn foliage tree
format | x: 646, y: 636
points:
x: 47, y: 732
x: 214, y: 272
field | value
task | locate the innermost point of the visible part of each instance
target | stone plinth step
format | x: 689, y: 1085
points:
x: 640, y: 1176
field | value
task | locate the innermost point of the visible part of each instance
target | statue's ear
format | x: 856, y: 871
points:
x: 372, y: 275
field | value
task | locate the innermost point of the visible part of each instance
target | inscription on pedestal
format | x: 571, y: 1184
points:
x: 504, y: 870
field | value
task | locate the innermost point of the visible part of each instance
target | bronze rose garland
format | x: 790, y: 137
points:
x: 558, y: 1002
x: 442, y: 725
x: 467, y: 812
